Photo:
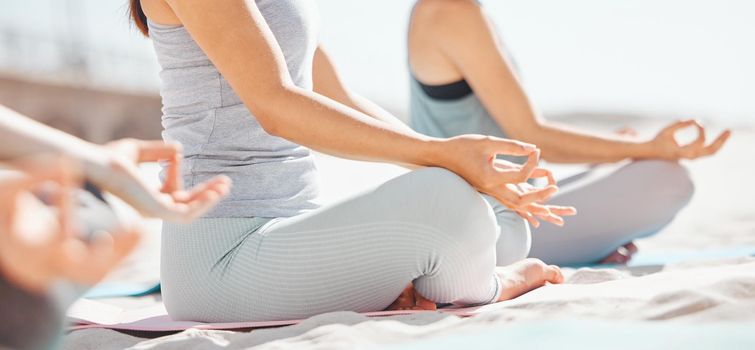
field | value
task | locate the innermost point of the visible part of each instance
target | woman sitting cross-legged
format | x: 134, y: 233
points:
x: 463, y: 83
x: 247, y: 91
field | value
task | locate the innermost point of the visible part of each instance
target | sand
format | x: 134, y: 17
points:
x: 697, y: 305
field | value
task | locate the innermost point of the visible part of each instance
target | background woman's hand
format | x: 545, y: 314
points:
x: 665, y: 146
x: 39, y: 245
x: 473, y: 157
x: 119, y: 174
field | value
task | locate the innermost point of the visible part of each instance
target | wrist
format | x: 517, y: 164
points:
x: 95, y: 161
x: 434, y: 152
x: 643, y: 150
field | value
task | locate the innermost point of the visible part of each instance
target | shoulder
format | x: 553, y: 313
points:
x: 450, y: 20
x: 443, y: 13
x: 159, y: 11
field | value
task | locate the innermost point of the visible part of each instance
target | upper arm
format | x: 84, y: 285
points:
x: 236, y: 38
x: 470, y: 42
x: 327, y: 81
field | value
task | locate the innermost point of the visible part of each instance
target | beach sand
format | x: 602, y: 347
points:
x: 674, y: 297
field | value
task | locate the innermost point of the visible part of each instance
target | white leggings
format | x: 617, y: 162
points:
x: 428, y: 227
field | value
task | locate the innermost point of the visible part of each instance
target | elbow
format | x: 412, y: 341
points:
x: 267, y: 119
x: 270, y: 126
x: 550, y: 151
x: 551, y: 154
x: 269, y: 110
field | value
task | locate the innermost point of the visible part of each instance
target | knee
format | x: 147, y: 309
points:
x: 685, y: 187
x: 442, y: 187
x: 461, y: 212
x: 657, y: 191
x: 672, y: 182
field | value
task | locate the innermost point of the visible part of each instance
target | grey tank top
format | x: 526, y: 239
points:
x: 272, y: 177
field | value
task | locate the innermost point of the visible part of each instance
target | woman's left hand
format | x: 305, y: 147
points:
x: 665, y: 146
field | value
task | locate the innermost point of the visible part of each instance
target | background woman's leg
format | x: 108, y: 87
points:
x: 615, y: 204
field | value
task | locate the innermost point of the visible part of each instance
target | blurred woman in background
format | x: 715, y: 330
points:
x: 463, y: 83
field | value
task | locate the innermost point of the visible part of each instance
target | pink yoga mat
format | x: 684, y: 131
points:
x: 86, y: 314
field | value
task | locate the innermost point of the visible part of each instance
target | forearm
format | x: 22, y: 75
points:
x: 25, y: 137
x: 373, y: 110
x: 562, y: 144
x: 337, y: 129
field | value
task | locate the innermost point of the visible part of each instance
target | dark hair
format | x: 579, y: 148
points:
x: 137, y: 15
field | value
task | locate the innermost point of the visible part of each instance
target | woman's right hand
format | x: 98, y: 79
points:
x: 473, y: 157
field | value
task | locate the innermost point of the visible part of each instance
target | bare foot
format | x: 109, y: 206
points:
x: 411, y: 300
x: 622, y: 255
x: 526, y: 275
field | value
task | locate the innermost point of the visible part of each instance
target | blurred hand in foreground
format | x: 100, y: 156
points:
x: 39, y: 244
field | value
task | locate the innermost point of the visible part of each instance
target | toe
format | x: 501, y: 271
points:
x: 404, y: 300
x: 559, y: 274
x: 552, y: 274
x: 620, y: 256
x: 423, y: 303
